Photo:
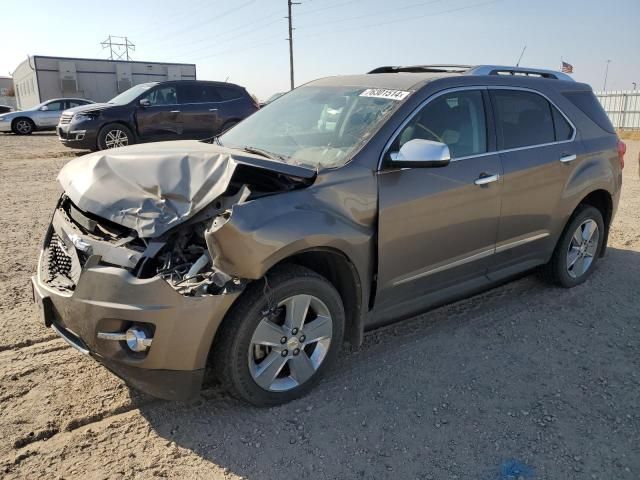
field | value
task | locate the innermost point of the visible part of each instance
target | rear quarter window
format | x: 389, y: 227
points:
x: 590, y: 106
x: 230, y: 93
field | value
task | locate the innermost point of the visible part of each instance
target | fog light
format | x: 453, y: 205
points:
x: 137, y: 339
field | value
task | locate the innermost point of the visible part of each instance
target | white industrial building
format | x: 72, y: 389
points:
x: 40, y: 78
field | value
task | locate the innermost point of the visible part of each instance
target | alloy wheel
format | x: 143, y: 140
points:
x: 289, y: 346
x: 582, y: 248
x: 116, y: 138
x: 23, y: 126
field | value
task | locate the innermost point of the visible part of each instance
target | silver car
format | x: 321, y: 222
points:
x: 44, y: 116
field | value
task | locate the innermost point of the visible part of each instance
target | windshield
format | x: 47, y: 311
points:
x: 316, y: 126
x: 129, y: 95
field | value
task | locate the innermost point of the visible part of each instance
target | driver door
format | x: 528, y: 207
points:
x: 50, y: 116
x: 438, y: 225
x: 161, y: 118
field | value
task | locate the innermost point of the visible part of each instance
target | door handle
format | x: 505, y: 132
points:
x: 175, y: 111
x: 567, y: 158
x: 485, y: 179
x: 213, y: 109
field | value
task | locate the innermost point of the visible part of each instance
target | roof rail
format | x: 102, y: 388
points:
x: 528, y: 72
x: 476, y: 70
x: 423, y: 69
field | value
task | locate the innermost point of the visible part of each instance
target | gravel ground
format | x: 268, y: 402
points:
x: 523, y: 381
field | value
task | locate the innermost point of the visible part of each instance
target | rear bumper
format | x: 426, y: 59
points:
x: 110, y: 299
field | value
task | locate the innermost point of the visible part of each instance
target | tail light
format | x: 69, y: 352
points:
x: 622, y: 149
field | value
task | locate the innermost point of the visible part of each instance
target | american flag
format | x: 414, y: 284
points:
x: 567, y: 67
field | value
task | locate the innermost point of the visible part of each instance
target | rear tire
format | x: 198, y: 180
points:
x: 264, y: 359
x: 23, y: 126
x: 578, y: 249
x: 114, y: 135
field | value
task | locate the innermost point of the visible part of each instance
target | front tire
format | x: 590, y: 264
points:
x: 279, y: 339
x: 578, y: 249
x: 114, y: 135
x: 23, y: 126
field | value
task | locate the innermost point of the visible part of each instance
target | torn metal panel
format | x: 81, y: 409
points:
x: 151, y: 188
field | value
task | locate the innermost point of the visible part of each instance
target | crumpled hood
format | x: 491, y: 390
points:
x: 153, y: 187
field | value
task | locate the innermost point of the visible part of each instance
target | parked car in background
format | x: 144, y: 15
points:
x: 41, y: 117
x: 5, y: 109
x: 349, y: 203
x: 184, y: 109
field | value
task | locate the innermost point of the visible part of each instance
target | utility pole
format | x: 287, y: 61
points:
x: 118, y: 47
x: 289, y: 4
x: 606, y: 74
x: 634, y: 85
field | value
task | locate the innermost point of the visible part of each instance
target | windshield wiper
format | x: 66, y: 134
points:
x: 264, y: 153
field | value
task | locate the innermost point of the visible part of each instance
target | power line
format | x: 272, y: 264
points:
x: 170, y: 36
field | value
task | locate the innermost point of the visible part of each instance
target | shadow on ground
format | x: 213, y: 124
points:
x: 523, y: 381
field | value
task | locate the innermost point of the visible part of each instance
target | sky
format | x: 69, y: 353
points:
x: 245, y: 40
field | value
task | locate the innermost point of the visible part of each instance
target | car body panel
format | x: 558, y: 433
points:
x: 415, y: 237
x: 42, y: 119
x: 179, y: 119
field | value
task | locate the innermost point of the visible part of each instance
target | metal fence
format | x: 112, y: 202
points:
x: 623, y: 108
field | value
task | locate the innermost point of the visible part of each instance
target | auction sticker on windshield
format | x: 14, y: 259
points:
x: 385, y: 93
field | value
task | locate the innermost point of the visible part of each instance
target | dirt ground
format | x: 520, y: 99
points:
x: 523, y: 381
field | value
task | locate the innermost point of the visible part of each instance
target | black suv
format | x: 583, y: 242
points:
x: 156, y: 111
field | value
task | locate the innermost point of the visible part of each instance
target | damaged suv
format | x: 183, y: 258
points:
x: 344, y: 205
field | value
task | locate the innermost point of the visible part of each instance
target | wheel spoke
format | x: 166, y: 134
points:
x: 318, y: 329
x: 268, y: 333
x: 269, y: 368
x: 297, y: 308
x: 301, y: 368
x: 587, y: 232
x: 578, y: 267
x: 576, y: 240
x: 572, y: 257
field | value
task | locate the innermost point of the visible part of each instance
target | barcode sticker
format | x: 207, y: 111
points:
x: 385, y: 93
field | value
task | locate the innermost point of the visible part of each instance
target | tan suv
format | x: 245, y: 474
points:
x: 347, y: 203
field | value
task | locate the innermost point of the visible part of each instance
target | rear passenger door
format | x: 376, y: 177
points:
x: 200, y: 110
x: 536, y: 144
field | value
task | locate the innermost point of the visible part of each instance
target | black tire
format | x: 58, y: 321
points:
x: 23, y: 126
x: 231, y: 351
x: 557, y: 271
x: 108, y: 135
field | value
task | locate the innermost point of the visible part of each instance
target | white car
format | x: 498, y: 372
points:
x: 44, y: 116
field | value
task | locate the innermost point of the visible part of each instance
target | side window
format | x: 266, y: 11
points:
x: 75, y: 103
x: 198, y: 93
x: 456, y: 119
x: 229, y: 93
x: 522, y: 119
x: 162, y: 96
x: 55, y: 106
x: 564, y: 131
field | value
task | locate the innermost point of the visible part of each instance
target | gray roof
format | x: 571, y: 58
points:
x: 396, y: 81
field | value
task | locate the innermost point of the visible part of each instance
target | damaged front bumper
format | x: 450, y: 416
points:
x: 106, y: 299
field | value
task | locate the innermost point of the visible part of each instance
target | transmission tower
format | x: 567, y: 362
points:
x: 118, y: 47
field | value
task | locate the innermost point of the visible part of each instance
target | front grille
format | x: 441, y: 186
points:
x: 66, y: 118
x: 59, y: 269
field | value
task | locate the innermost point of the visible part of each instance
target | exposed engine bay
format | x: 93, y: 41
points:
x: 178, y: 254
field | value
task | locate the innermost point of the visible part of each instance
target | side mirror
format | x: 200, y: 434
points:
x: 44, y: 108
x: 144, y: 102
x: 421, y: 153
